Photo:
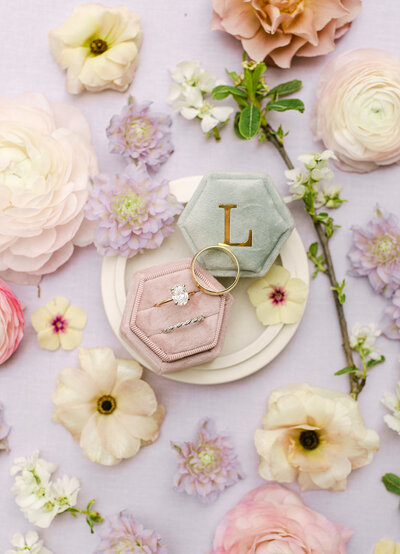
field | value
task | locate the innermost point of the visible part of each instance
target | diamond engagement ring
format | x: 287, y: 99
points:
x: 179, y: 296
x: 197, y: 319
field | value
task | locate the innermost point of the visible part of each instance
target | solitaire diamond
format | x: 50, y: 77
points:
x: 180, y: 295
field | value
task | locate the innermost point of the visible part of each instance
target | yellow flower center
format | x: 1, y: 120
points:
x: 206, y: 456
x: 129, y: 206
x: 98, y: 46
x: 309, y: 439
x: 106, y: 404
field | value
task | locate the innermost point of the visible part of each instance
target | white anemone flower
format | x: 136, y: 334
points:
x: 314, y: 435
x: 106, y: 407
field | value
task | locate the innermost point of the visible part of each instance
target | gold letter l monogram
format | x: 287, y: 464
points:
x: 227, y: 240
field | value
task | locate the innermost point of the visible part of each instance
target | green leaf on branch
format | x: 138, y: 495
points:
x: 318, y: 261
x: 279, y: 133
x: 348, y: 369
x: 249, y: 121
x: 232, y: 74
x: 285, y: 88
x: 284, y: 105
x: 223, y: 91
x: 392, y: 483
x: 257, y: 72
x: 236, y: 126
x: 339, y: 291
x: 372, y: 363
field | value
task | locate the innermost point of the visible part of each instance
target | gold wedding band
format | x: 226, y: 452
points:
x: 232, y: 256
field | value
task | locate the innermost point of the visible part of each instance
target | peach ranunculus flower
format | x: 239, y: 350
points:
x: 12, y: 322
x: 357, y: 109
x: 386, y: 546
x: 98, y: 46
x: 46, y: 159
x: 58, y: 324
x: 106, y: 407
x: 278, y: 30
x: 315, y: 435
x: 272, y: 519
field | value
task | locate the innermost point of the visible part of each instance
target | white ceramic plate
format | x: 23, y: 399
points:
x: 248, y: 346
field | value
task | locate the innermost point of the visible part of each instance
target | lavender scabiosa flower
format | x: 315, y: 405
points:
x: 141, y: 135
x: 391, y: 318
x: 4, y: 430
x: 132, y: 212
x: 125, y: 534
x: 376, y: 252
x: 206, y: 466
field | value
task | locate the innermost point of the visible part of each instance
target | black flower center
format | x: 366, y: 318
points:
x: 106, y: 405
x: 309, y: 440
x: 98, y: 46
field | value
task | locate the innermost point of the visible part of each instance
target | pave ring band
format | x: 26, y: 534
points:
x: 197, y: 319
x: 179, y: 296
x: 232, y: 256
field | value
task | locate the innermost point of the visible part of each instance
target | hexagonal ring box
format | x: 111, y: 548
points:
x: 243, y: 211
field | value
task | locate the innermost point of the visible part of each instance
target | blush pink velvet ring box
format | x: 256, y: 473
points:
x: 144, y: 324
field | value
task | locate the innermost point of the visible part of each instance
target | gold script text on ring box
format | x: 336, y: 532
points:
x: 227, y: 239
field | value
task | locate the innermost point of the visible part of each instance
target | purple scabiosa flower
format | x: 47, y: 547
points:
x: 141, y: 135
x: 4, y: 430
x: 132, y: 212
x: 376, y: 252
x: 207, y: 466
x: 390, y: 323
x: 125, y: 534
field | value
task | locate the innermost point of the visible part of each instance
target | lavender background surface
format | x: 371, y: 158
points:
x: 174, y: 31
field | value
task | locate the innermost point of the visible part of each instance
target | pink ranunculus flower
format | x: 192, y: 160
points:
x: 46, y: 159
x: 357, y: 109
x: 12, y: 322
x: 272, y: 519
x: 278, y: 30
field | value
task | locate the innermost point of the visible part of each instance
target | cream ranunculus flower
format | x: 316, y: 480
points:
x: 277, y: 297
x: 106, y: 406
x: 386, y: 546
x: 315, y: 435
x: 98, y: 46
x: 57, y: 324
x: 46, y: 160
x: 357, y: 109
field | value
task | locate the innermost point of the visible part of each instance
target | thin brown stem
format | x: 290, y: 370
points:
x: 356, y: 383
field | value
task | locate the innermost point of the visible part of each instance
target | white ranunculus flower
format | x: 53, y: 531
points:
x: 314, y: 435
x: 357, y: 109
x: 98, y: 46
x: 29, y: 543
x: 46, y: 159
x: 106, y: 406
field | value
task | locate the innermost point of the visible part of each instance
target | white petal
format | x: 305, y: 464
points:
x: 75, y: 317
x: 101, y: 365
x: 70, y: 339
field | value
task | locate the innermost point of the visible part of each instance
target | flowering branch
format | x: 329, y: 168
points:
x: 250, y: 91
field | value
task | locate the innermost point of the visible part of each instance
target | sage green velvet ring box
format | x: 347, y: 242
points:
x: 242, y: 211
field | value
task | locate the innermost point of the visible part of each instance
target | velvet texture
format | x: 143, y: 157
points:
x: 260, y: 209
x: 143, y: 323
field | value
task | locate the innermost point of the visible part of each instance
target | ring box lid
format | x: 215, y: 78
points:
x: 243, y: 211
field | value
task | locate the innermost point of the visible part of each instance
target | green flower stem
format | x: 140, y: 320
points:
x: 92, y: 517
x: 356, y: 383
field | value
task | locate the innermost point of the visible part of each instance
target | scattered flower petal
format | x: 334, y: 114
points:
x: 386, y: 546
x: 392, y: 402
x: 314, y: 435
x: 57, y: 323
x: 4, y: 430
x: 206, y: 466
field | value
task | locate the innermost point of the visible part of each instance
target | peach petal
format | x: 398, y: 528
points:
x: 135, y: 397
x: 74, y: 386
x: 142, y: 427
x: 74, y: 417
x: 261, y: 45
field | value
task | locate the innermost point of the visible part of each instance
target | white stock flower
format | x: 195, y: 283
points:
x: 192, y: 74
x: 296, y: 184
x: 392, y: 402
x: 314, y: 435
x: 364, y: 337
x: 106, y: 407
x: 98, y: 46
x: 29, y: 543
x: 39, y: 498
